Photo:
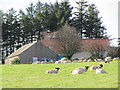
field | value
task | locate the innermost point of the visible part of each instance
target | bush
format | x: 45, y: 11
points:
x: 113, y: 51
x: 16, y: 61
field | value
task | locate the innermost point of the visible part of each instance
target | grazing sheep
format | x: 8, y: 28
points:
x: 0, y: 62
x: 95, y: 60
x: 80, y: 61
x: 95, y: 67
x: 63, y: 59
x: 99, y: 70
x: 43, y: 62
x: 37, y: 62
x: 84, y: 60
x: 99, y: 60
x: 58, y: 62
x: 89, y: 60
x: 80, y: 70
x: 117, y: 58
x: 108, y: 59
x: 75, y: 61
x: 66, y: 61
x: 52, y: 70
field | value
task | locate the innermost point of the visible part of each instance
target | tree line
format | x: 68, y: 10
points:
x: 23, y: 27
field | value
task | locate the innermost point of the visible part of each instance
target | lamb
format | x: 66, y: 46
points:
x: 108, y: 59
x: 80, y: 70
x: 52, y: 70
x: 99, y: 70
x: 94, y: 67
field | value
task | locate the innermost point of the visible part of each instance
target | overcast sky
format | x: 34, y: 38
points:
x: 108, y: 11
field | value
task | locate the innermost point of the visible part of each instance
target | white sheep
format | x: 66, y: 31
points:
x: 85, y: 60
x: 75, y: 61
x: 66, y: 61
x: 37, y: 62
x: 95, y: 60
x: 99, y: 70
x: 0, y: 62
x: 63, y: 59
x: 80, y: 60
x: 80, y: 70
x: 52, y: 70
x: 108, y: 59
x: 116, y: 58
x: 89, y: 60
x: 95, y: 67
x: 43, y: 62
x: 58, y: 62
x: 99, y: 60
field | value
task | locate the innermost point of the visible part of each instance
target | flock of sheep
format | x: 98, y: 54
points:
x: 80, y: 70
x: 84, y: 69
x: 106, y: 60
x: 64, y: 60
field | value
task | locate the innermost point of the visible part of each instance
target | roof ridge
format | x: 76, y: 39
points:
x: 20, y: 50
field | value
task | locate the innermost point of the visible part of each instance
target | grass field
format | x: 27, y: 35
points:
x: 0, y: 77
x: 33, y: 76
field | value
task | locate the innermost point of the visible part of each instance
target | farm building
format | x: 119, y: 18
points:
x: 48, y: 48
x: 99, y: 44
x: 30, y: 52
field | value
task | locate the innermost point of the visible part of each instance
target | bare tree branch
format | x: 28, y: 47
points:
x: 68, y: 41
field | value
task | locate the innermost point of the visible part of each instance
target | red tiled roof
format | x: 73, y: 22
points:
x: 101, y: 43
x: 50, y: 43
x: 53, y: 44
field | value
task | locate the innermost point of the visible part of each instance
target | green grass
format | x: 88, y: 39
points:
x: 0, y: 77
x: 33, y: 76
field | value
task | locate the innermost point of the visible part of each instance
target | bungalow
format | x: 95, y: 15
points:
x: 31, y: 52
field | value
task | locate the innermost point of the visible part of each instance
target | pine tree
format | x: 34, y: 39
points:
x: 63, y: 13
x: 10, y: 28
x: 80, y: 17
x: 1, y: 20
x: 39, y: 19
x: 31, y: 22
x: 93, y: 25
